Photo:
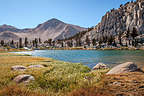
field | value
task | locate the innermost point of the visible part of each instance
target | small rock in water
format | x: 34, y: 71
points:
x: 36, y: 66
x: 100, y: 66
x: 23, y: 78
x: 124, y: 68
x: 18, y: 67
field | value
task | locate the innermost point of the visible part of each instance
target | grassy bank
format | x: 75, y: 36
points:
x: 58, y: 78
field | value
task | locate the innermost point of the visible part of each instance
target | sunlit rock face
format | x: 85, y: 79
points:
x: 124, y: 68
x: 119, y: 21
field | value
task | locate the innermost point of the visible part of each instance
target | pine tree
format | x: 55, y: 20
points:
x: 128, y: 33
x: 40, y: 40
x: 134, y: 33
x: 36, y: 42
x: 87, y: 41
x: 20, y: 43
x: 110, y: 40
x: 50, y: 41
x: 120, y: 38
x: 2, y: 43
x: 26, y: 41
x: 53, y: 43
x: 33, y: 42
x: 12, y: 42
x: 17, y: 44
x: 114, y: 43
x: 94, y: 42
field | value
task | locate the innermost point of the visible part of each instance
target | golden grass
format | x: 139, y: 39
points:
x: 10, y: 50
x: 17, y: 90
x: 125, y: 84
x: 129, y: 84
x: 58, y: 78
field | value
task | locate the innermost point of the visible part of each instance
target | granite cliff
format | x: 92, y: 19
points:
x: 122, y: 24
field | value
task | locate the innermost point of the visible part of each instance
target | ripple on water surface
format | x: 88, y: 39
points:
x: 92, y: 57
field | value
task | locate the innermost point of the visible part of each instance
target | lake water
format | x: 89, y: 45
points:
x: 92, y: 57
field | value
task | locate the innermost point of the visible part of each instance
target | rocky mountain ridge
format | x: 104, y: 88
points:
x: 118, y: 27
x: 51, y: 29
x: 120, y: 23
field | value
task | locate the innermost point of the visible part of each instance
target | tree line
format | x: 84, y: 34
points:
x: 108, y: 39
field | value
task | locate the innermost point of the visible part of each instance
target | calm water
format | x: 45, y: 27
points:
x: 92, y: 57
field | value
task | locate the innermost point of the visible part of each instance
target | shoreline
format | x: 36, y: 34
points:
x: 87, y: 63
x: 75, y: 77
x: 80, y: 48
x: 58, y: 73
x: 77, y: 48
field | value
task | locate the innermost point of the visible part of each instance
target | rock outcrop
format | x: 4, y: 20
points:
x: 23, y: 78
x: 119, y: 23
x: 36, y: 66
x: 124, y: 68
x: 119, y: 27
x: 100, y: 66
x: 18, y: 68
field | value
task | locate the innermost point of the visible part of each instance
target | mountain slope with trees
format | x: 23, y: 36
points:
x: 119, y: 27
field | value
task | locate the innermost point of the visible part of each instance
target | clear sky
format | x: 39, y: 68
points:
x: 30, y: 13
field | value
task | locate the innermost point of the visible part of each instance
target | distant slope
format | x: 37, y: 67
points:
x: 8, y: 36
x: 5, y: 27
x: 54, y: 29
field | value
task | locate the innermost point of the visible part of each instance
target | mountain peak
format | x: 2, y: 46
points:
x: 52, y: 23
x: 6, y: 26
x: 54, y: 20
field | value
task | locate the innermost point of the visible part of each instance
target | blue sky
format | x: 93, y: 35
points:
x: 30, y: 13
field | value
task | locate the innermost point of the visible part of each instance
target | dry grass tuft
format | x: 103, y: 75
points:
x: 130, y: 84
x: 88, y: 92
x: 16, y: 90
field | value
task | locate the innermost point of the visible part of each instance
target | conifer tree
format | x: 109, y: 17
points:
x: 87, y: 41
x: 94, y: 42
x: 50, y: 42
x: 20, y: 43
x: 36, y: 42
x: 2, y: 42
x: 40, y: 40
x: 26, y: 42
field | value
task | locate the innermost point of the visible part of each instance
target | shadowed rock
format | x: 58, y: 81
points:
x: 100, y: 66
x: 18, y: 67
x: 124, y: 68
x: 23, y: 78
